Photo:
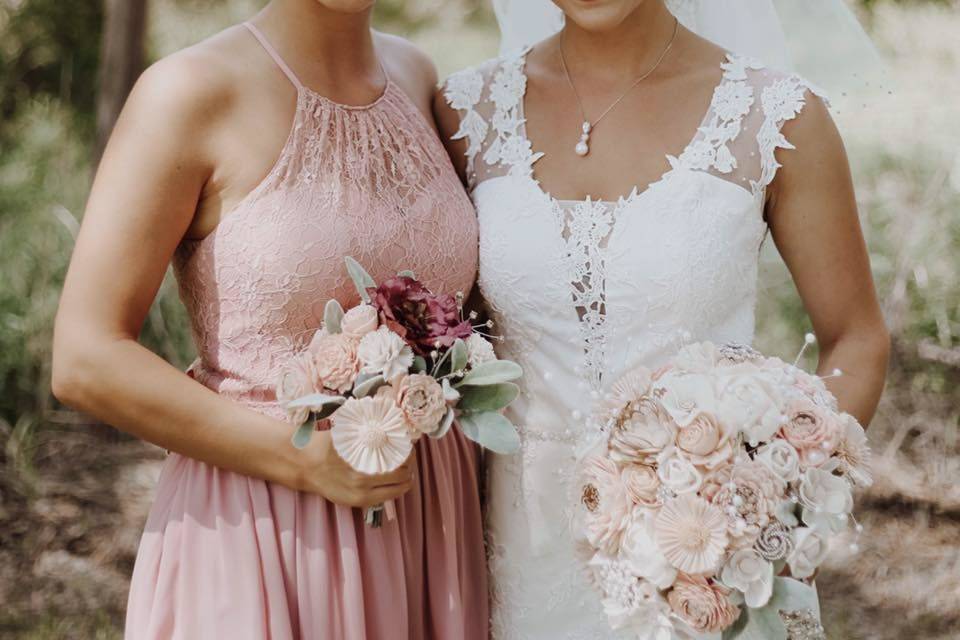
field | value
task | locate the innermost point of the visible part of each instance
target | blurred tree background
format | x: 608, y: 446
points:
x: 73, y: 495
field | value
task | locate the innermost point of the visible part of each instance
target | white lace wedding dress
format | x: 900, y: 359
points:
x: 583, y: 291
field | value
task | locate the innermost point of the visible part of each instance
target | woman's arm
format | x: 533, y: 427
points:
x: 813, y: 217
x: 144, y: 198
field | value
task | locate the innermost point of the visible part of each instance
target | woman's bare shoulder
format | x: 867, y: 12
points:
x: 409, y: 66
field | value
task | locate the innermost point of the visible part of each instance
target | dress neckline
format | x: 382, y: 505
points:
x: 636, y: 191
x: 303, y: 89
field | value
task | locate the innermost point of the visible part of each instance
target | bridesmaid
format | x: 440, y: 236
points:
x: 255, y: 161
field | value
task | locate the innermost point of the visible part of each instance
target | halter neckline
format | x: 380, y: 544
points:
x: 302, y: 88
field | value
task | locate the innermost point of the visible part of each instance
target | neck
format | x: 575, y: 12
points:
x: 337, y: 44
x: 630, y: 48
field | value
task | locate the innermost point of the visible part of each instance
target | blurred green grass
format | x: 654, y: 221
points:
x: 907, y: 170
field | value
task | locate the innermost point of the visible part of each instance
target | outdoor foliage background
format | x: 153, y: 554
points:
x: 73, y: 496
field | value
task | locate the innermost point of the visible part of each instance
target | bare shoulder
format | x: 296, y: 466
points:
x: 196, y: 86
x: 409, y: 67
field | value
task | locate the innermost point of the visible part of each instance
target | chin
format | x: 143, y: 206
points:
x: 347, y: 6
x: 599, y: 15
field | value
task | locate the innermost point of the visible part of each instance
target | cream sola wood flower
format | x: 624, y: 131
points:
x: 692, y: 533
x: 371, y: 435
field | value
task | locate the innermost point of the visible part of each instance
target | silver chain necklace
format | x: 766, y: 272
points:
x: 583, y: 147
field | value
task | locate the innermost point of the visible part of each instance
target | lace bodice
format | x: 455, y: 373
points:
x: 370, y: 182
x: 583, y: 291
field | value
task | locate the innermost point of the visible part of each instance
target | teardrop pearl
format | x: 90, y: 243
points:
x: 582, y: 148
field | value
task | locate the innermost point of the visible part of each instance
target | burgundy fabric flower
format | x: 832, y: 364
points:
x: 422, y: 318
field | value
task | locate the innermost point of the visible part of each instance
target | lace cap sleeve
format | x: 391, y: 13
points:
x: 782, y: 99
x: 464, y: 91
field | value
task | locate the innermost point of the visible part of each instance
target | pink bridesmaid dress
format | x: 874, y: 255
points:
x: 228, y: 556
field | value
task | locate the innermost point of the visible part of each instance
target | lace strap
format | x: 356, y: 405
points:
x: 272, y: 52
x: 782, y: 101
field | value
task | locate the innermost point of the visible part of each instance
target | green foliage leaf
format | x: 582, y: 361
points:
x: 445, y: 425
x: 493, y: 372
x: 332, y: 315
x: 757, y: 624
x: 789, y: 594
x: 407, y: 274
x: 368, y: 386
x: 492, y: 397
x: 449, y: 393
x: 458, y: 355
x: 302, y: 436
x: 765, y: 623
x: 419, y: 364
x: 316, y: 401
x: 490, y: 430
x: 361, y: 279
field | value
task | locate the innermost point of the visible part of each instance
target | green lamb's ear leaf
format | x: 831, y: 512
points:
x: 361, y: 279
x: 419, y: 364
x: 491, y: 397
x: 332, y: 315
x: 316, y: 401
x: 407, y: 274
x: 792, y: 595
x: 492, y: 372
x: 491, y: 431
x: 368, y: 386
x: 757, y: 624
x: 444, y: 425
x: 302, y: 436
x: 449, y: 393
x: 458, y: 355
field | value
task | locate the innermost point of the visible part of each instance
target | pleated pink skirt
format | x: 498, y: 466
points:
x: 228, y: 556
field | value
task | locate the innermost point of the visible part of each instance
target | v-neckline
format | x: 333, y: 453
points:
x: 636, y: 191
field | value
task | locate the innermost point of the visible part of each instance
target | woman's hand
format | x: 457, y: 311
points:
x: 324, y: 472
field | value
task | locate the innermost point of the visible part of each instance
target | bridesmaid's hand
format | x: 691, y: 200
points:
x: 323, y: 471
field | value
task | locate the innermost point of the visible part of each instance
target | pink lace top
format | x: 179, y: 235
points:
x: 372, y: 182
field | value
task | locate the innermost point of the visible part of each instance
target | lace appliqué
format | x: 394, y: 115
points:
x: 586, y: 227
x: 782, y: 101
x: 732, y: 100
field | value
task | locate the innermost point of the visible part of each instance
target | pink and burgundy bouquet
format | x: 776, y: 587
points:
x: 713, y: 476
x: 403, y: 364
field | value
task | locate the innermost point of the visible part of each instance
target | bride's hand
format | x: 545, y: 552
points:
x: 323, y: 471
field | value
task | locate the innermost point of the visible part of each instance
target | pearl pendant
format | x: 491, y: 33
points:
x: 583, y: 147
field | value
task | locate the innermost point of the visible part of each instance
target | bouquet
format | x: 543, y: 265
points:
x: 713, y: 475
x: 401, y: 365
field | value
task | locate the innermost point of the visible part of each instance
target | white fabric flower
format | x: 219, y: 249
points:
x: 687, y: 395
x: 677, y: 473
x: 384, y: 352
x: 853, y: 452
x: 781, y: 458
x: 752, y: 404
x: 371, y: 435
x: 748, y: 572
x: 639, y: 551
x: 701, y: 357
x: 479, y: 350
x: 692, y: 534
x: 827, y: 499
x: 359, y: 321
x: 631, y: 605
x: 810, y: 552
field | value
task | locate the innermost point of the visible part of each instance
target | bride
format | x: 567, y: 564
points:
x: 625, y: 173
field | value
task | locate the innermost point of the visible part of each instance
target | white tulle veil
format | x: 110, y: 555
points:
x: 819, y: 39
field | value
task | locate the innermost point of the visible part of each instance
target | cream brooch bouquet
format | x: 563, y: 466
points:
x: 401, y: 365
x: 712, y: 476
